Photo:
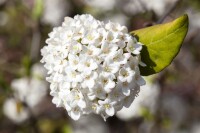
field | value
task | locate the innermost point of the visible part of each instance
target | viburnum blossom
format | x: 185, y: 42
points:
x: 93, y: 67
x: 28, y: 92
x: 15, y: 110
x: 31, y: 90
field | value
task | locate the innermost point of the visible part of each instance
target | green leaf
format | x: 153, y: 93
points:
x: 66, y: 129
x: 161, y: 44
x: 37, y: 9
x: 26, y: 63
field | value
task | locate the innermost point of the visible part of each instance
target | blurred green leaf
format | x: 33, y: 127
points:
x: 3, y: 83
x: 37, y: 9
x: 161, y: 44
x: 54, y: 126
x: 46, y: 126
x: 66, y: 129
x: 145, y: 112
x: 26, y: 63
x: 166, y: 123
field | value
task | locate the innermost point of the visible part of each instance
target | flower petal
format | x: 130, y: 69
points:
x: 110, y: 111
x: 75, y: 115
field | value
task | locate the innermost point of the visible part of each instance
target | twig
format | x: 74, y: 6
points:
x: 169, y: 12
x: 142, y: 5
x: 35, y: 44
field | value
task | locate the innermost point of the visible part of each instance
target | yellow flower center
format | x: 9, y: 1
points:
x: 107, y: 106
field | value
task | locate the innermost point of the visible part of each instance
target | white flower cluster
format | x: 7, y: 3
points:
x: 29, y: 90
x: 93, y: 66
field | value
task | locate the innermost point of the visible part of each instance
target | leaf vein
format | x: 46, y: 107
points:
x: 167, y: 35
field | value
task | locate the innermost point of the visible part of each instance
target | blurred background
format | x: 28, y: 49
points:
x: 169, y: 103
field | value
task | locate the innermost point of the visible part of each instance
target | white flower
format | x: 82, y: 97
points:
x: 29, y: 90
x: 126, y: 74
x: 73, y: 61
x: 90, y: 37
x: 15, y: 111
x: 134, y: 47
x: 116, y: 27
x: 91, y: 50
x: 108, y: 48
x: 75, y: 113
x: 107, y: 105
x: 67, y: 35
x: 87, y: 64
x: 118, y: 58
x: 38, y: 71
x: 98, y: 92
x: 126, y: 87
x: 57, y: 101
x: 110, y: 68
x: 92, y: 67
x: 76, y: 98
x: 129, y: 100
x: 107, y: 82
x: 89, y: 79
x: 116, y: 94
x: 138, y: 78
x: 75, y: 47
x: 60, y: 67
x: 110, y: 37
x: 72, y: 75
x: 147, y: 98
x: 64, y: 91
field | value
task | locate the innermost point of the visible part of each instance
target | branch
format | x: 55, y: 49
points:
x: 170, y: 10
